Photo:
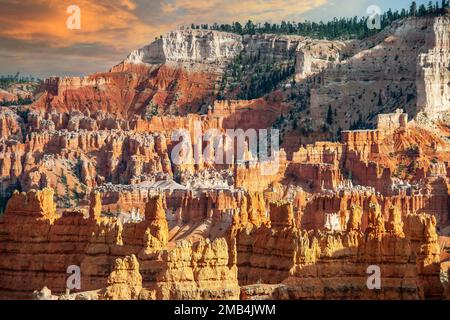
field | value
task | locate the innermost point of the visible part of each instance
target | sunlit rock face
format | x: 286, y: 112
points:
x: 434, y: 69
x: 189, y: 47
x: 313, y: 265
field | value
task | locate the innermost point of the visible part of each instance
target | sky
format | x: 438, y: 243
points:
x: 35, y: 40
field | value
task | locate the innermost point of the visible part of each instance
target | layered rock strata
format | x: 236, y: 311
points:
x: 310, y: 265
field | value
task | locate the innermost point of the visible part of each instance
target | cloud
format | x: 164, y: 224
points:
x: 36, y: 29
x: 101, y: 21
x: 238, y: 10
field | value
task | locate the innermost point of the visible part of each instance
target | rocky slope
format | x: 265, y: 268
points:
x: 405, y: 65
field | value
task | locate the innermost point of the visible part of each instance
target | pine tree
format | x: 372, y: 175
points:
x: 413, y: 9
x: 249, y: 27
x: 329, y: 116
x: 237, y: 28
x: 422, y: 10
x: 380, y: 101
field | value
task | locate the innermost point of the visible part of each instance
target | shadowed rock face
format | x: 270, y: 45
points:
x: 411, y: 53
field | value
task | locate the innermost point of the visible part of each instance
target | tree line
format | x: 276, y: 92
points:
x: 7, y: 80
x: 19, y: 102
x: 343, y: 28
